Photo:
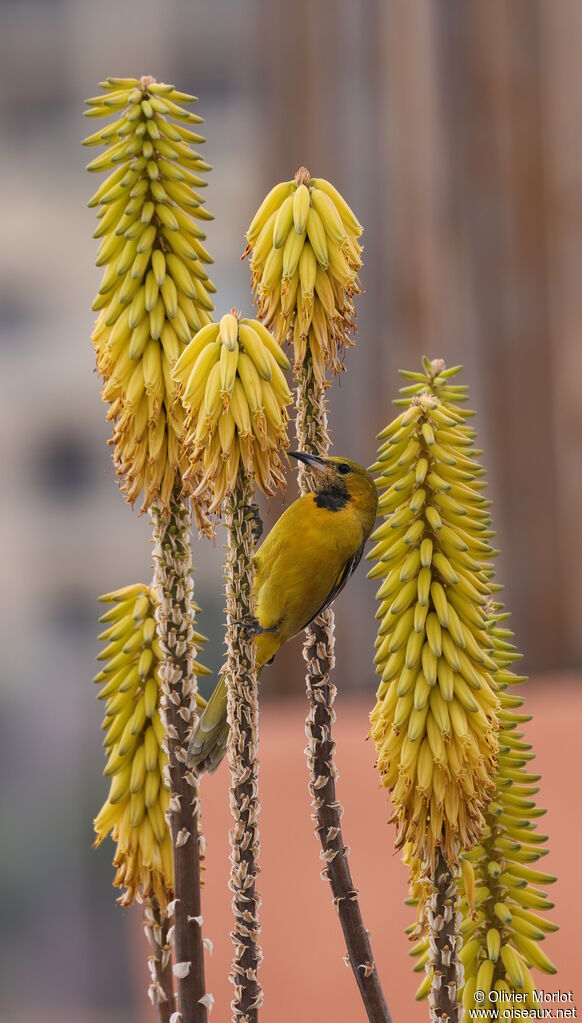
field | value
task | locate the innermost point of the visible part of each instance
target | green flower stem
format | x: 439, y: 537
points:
x: 175, y: 626
x: 242, y: 708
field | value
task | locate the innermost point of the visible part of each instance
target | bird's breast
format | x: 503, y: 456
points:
x: 300, y: 561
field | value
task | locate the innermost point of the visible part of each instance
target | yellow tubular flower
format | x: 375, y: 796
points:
x: 155, y: 292
x: 505, y: 928
x: 305, y: 258
x: 134, y: 811
x: 436, y: 721
x: 502, y: 894
x: 233, y: 389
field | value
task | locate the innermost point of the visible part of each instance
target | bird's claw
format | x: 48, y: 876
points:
x: 257, y: 522
x: 251, y: 627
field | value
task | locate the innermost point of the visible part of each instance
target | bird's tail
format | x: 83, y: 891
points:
x: 208, y: 743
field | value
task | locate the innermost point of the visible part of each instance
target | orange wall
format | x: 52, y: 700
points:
x: 303, y: 974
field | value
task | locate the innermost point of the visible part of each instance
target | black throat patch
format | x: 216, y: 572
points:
x: 333, y: 500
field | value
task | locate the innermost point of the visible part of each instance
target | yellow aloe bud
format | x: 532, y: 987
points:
x: 133, y: 812
x: 155, y: 291
x: 231, y: 382
x: 508, y: 927
x: 305, y: 258
x: 435, y: 723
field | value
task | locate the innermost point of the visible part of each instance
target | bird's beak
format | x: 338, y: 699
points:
x: 313, y: 461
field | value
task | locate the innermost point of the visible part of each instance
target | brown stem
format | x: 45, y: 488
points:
x: 302, y: 176
x: 444, y: 942
x: 175, y: 625
x: 242, y: 689
x: 161, y: 989
x: 318, y: 652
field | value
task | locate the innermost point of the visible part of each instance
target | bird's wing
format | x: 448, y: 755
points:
x: 347, y: 570
x: 208, y: 743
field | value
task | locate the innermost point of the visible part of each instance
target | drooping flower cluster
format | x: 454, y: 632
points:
x: 436, y: 719
x: 235, y: 394
x: 155, y: 291
x: 305, y: 259
x: 139, y: 796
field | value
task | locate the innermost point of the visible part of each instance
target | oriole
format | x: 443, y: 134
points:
x: 300, y: 568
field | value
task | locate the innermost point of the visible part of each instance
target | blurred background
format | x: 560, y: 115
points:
x: 454, y: 129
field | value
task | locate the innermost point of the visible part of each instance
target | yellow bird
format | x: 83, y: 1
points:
x: 300, y: 568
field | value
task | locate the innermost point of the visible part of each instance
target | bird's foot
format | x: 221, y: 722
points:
x: 257, y: 522
x: 251, y: 627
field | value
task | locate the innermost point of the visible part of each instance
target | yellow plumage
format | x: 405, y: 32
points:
x: 300, y: 568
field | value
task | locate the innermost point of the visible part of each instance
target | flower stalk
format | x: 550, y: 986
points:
x: 175, y: 625
x: 319, y: 655
x: 154, y: 293
x: 161, y: 989
x: 235, y: 395
x: 305, y: 257
x: 243, y: 719
x: 437, y: 717
x: 134, y: 812
x: 443, y: 919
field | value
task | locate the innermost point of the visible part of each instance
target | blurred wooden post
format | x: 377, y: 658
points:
x: 310, y: 109
x: 561, y: 45
x: 490, y: 69
x: 436, y: 120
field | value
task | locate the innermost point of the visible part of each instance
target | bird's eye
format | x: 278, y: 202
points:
x: 344, y: 468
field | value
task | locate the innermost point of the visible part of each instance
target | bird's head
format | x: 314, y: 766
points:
x: 338, y: 481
